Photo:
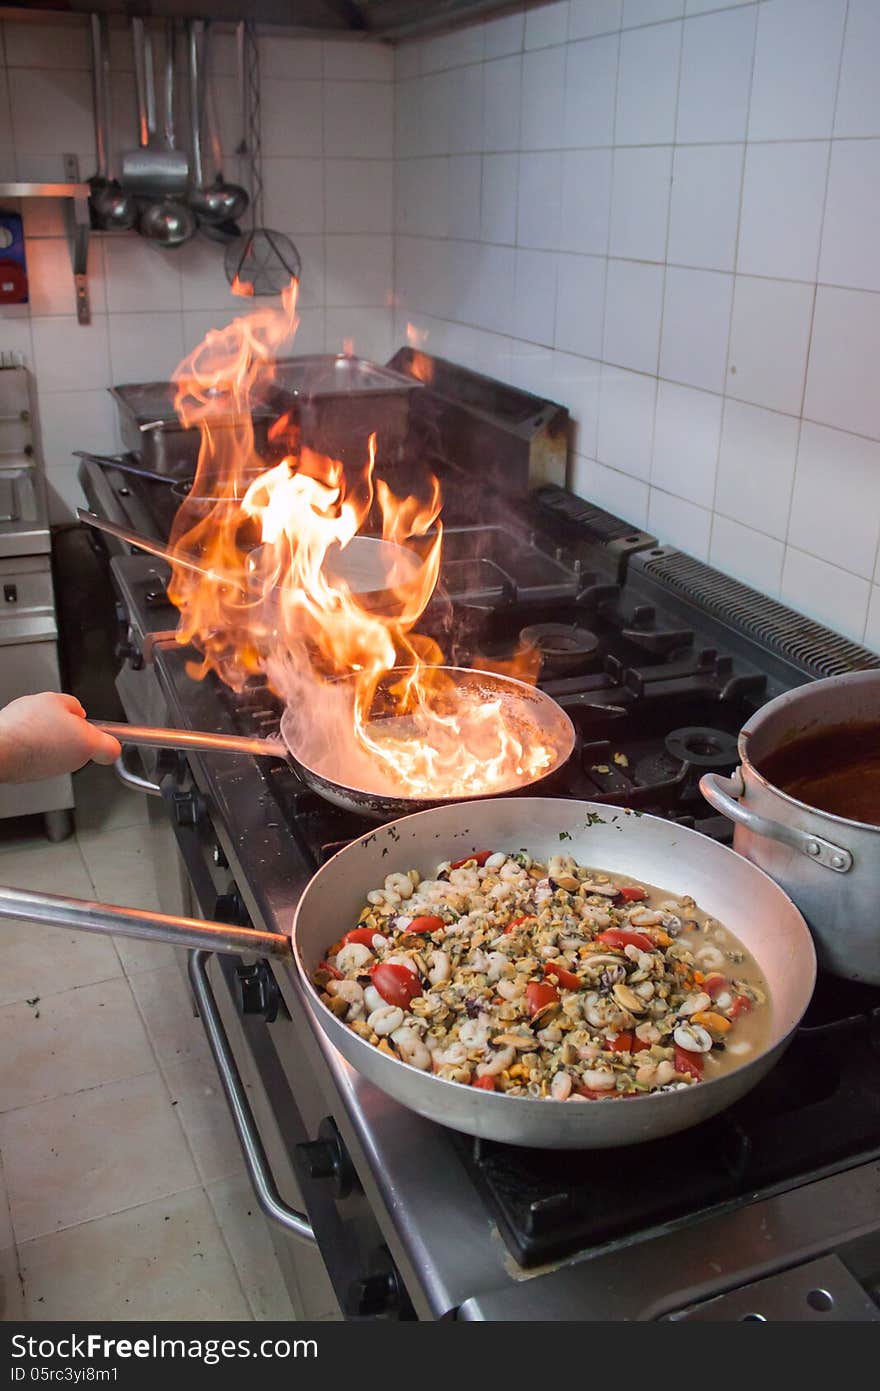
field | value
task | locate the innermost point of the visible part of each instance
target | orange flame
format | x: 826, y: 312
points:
x: 242, y: 287
x: 316, y: 576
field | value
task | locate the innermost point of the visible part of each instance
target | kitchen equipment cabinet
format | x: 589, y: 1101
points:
x: 28, y: 625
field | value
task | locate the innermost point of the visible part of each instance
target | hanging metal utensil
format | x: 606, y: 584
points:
x: 112, y: 208
x: 148, y: 170
x: 262, y: 261
x: 210, y: 202
x: 169, y: 221
x: 230, y: 200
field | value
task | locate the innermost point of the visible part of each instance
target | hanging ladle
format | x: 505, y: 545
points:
x: 169, y: 221
x: 113, y: 209
x: 219, y: 203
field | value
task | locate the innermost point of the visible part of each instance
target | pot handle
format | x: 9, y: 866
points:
x: 724, y: 793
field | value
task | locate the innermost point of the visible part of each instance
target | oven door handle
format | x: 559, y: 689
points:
x: 133, y: 780
x: 256, y: 1161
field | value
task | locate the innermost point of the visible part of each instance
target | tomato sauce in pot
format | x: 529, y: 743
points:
x: 837, y: 771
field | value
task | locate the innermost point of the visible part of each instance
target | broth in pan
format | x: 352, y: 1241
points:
x: 546, y: 980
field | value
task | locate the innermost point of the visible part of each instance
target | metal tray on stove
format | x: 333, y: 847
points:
x: 489, y: 565
x: 337, y: 401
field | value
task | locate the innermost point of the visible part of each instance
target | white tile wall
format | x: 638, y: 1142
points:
x: 329, y: 178
x: 693, y: 191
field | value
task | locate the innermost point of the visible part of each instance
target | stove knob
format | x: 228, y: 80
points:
x: 370, y: 1296
x: 125, y: 650
x: 258, y: 991
x: 229, y: 908
x: 327, y: 1157
x: 189, y: 808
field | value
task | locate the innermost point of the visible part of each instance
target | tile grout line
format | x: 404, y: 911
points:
x: 735, y: 259
x: 788, y: 545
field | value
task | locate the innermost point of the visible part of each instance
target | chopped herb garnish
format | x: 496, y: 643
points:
x: 563, y: 835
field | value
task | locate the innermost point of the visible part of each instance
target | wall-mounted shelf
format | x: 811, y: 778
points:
x: 76, y: 196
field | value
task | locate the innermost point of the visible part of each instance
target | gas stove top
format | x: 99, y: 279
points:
x: 659, y: 660
x: 657, y: 692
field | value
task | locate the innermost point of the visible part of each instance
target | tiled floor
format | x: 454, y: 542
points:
x: 122, y: 1190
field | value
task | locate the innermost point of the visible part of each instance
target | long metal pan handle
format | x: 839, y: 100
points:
x: 255, y: 1158
x: 144, y: 543
x: 55, y: 910
x: 724, y: 793
x: 145, y: 736
x: 112, y: 461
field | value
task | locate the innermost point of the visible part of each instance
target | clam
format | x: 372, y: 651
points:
x: 597, y: 962
x: 628, y: 999
x: 607, y: 890
x: 693, y: 1038
x: 544, y: 1015
x: 523, y: 1042
x: 565, y: 881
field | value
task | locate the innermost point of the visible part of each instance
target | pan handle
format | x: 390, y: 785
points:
x: 143, y: 543
x: 144, y: 736
x: 724, y: 793
x: 56, y: 910
x: 113, y: 461
x: 255, y: 1157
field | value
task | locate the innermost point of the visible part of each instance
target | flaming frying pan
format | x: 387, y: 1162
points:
x: 374, y: 570
x: 525, y: 710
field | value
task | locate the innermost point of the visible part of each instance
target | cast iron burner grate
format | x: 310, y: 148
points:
x: 818, y: 1110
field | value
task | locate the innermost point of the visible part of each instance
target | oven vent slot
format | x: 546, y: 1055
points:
x: 808, y: 645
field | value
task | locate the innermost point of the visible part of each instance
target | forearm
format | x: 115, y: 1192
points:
x: 10, y: 759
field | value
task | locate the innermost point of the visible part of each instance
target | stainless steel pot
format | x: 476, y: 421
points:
x: 828, y: 864
x: 724, y: 884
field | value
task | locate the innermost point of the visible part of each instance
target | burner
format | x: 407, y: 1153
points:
x: 702, y: 747
x: 563, y: 647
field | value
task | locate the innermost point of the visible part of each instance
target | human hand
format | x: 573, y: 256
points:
x: 47, y: 734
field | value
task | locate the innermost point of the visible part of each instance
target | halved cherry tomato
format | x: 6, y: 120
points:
x: 626, y: 1043
x: 714, y: 985
x: 486, y: 1084
x: 331, y: 970
x: 363, y: 935
x: 428, y: 923
x: 686, y: 1061
x: 515, y: 922
x: 395, y: 983
x: 567, y: 979
x: 741, y: 1005
x: 631, y: 894
x: 481, y: 856
x: 538, y: 994
x: 590, y: 1094
x: 620, y: 937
